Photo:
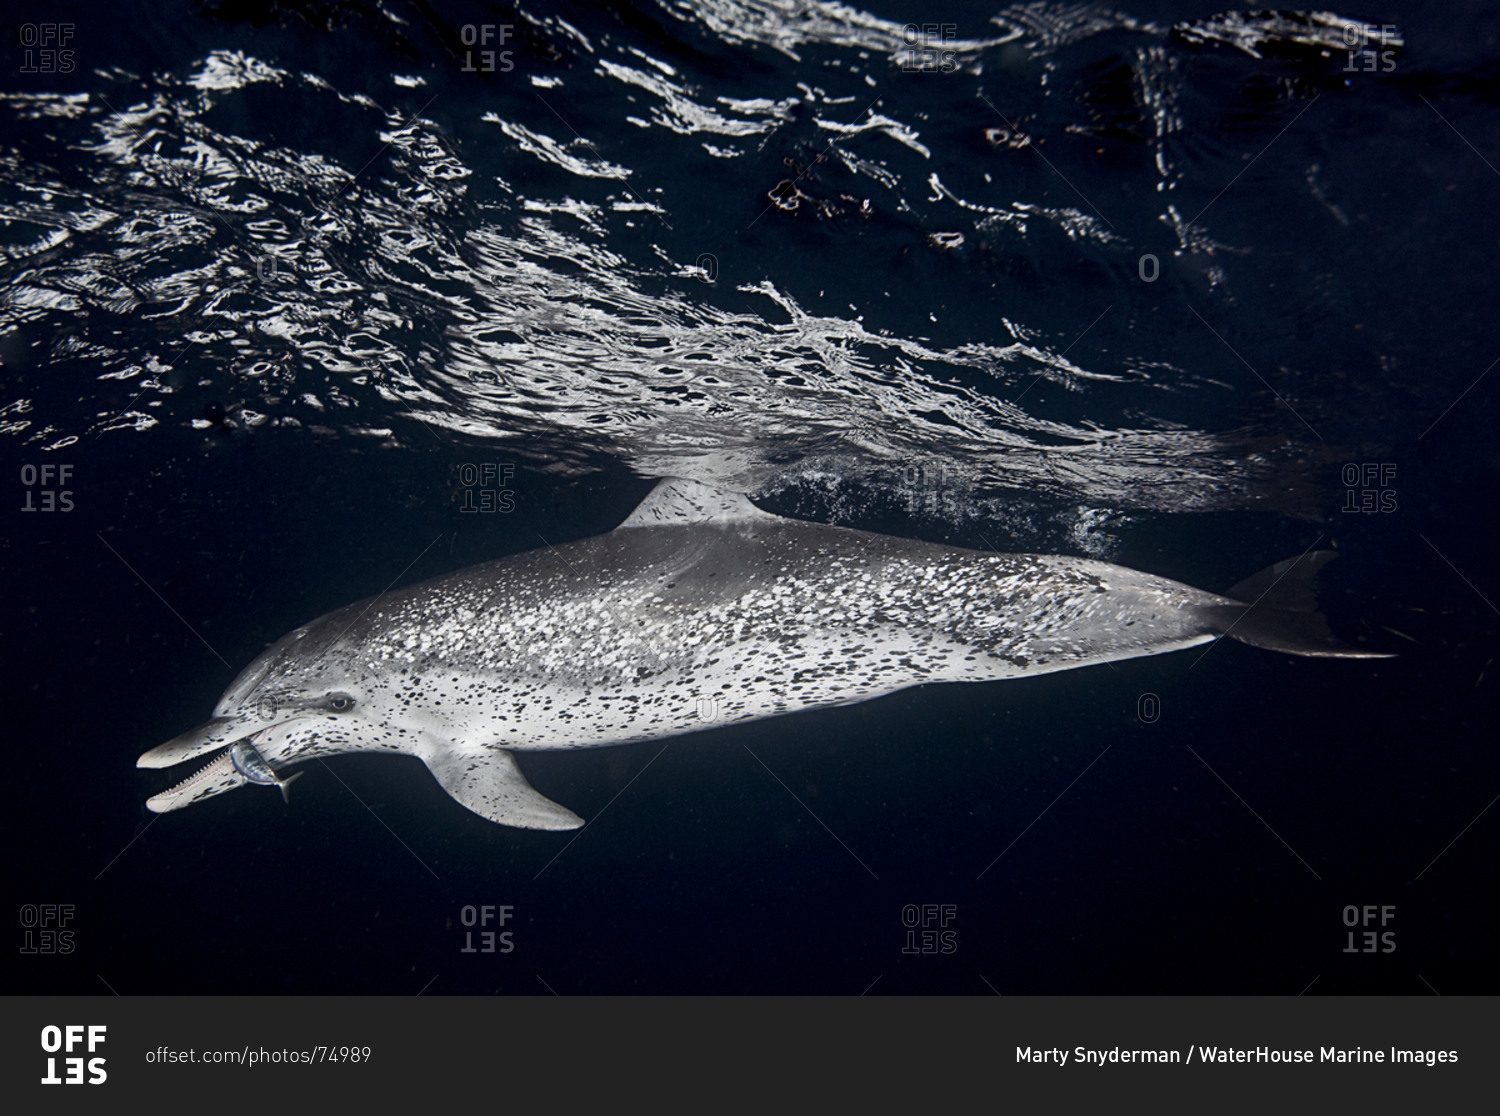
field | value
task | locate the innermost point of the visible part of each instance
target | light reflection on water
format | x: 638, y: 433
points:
x: 548, y: 263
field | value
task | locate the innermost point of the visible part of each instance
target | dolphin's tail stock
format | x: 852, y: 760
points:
x: 1280, y: 612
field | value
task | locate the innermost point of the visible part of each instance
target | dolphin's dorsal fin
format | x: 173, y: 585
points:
x: 488, y: 781
x: 675, y: 502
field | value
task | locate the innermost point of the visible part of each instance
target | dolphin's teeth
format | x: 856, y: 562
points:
x: 220, y: 766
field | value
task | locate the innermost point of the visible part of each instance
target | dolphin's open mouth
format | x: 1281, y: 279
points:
x: 220, y: 774
x: 216, y: 778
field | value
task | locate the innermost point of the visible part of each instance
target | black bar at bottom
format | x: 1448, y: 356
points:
x: 712, y: 1052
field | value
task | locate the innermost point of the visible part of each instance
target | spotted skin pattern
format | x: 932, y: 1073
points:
x: 699, y: 598
x: 607, y: 642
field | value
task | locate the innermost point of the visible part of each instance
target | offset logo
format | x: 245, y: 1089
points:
x: 1369, y: 487
x: 929, y: 48
x: 929, y: 485
x: 927, y: 930
x: 46, y: 489
x: 42, y: 928
x: 1361, y: 45
x: 1148, y: 708
x: 485, y: 487
x: 490, y: 941
x: 1369, y: 940
x: 66, y: 1040
x: 43, y: 43
x: 486, y: 35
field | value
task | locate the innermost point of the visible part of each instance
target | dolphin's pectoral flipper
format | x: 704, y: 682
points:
x: 1282, y: 613
x: 489, y: 782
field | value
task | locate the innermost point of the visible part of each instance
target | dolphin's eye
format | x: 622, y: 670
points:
x: 339, y: 703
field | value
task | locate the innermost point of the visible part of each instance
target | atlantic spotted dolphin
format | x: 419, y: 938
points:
x: 698, y: 601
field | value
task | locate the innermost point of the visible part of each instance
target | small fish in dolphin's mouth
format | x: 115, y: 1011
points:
x: 253, y: 766
x: 237, y: 765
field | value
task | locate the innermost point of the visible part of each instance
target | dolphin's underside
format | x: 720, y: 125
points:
x: 699, y: 608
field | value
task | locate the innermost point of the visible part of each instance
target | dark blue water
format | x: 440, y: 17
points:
x: 1188, y: 294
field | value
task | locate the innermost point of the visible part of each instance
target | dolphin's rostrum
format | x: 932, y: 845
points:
x: 699, y: 600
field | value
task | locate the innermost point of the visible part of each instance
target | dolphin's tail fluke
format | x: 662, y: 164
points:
x: 1279, y: 612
